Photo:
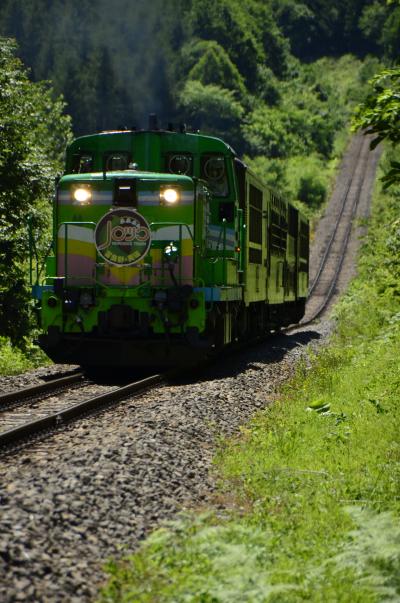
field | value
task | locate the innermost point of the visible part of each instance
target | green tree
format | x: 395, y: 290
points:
x: 300, y: 124
x: 33, y: 135
x: 390, y: 38
x: 113, y: 102
x: 225, y: 23
x: 207, y: 62
x: 80, y: 96
x: 212, y: 109
x: 380, y: 24
x: 247, y: 32
x: 380, y: 115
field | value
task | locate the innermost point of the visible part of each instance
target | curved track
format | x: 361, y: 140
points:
x: 94, y: 491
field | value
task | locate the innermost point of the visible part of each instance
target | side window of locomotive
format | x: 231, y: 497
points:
x: 240, y: 171
x: 226, y: 211
x: 82, y: 163
x: 213, y: 170
x: 179, y: 163
x: 115, y: 162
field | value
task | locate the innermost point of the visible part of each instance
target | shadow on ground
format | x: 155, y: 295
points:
x: 270, y: 351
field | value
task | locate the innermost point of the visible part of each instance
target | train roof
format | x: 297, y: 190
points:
x: 189, y: 140
x: 139, y: 175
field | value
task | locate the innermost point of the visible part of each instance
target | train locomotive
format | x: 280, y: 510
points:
x: 166, y: 249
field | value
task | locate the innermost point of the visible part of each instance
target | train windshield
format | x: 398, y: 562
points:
x: 213, y: 170
x: 82, y: 163
x: 116, y: 161
x: 180, y: 163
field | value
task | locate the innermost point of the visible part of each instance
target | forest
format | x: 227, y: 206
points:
x: 115, y: 63
x: 278, y: 80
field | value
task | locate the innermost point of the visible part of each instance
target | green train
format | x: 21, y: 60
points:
x: 166, y: 249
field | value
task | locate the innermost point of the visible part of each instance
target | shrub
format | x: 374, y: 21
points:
x: 311, y: 191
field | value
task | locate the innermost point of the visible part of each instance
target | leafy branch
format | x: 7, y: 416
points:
x: 380, y: 115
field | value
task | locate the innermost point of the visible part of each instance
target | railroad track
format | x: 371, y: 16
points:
x: 17, y: 397
x: 41, y: 409
x: 35, y: 410
x: 328, y: 265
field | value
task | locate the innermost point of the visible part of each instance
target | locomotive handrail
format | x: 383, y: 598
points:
x: 92, y: 225
x: 34, y: 257
x: 180, y: 225
x: 223, y: 232
x: 222, y: 257
x: 163, y: 224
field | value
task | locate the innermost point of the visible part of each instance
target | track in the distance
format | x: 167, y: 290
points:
x: 326, y: 269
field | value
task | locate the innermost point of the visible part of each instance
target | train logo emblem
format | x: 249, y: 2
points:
x: 122, y: 237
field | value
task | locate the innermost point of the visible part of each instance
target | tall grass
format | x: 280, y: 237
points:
x: 14, y: 360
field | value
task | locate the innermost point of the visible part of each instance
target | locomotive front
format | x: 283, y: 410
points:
x: 121, y: 288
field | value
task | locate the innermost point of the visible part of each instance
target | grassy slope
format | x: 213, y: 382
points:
x: 315, y: 488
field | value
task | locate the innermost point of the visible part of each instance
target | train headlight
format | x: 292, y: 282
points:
x: 82, y: 195
x: 169, y: 196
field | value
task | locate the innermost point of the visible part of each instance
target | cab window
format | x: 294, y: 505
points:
x: 213, y: 170
x: 82, y: 163
x: 179, y: 163
x: 116, y: 161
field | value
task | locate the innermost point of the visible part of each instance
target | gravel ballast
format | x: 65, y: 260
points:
x: 37, y: 376
x: 93, y: 491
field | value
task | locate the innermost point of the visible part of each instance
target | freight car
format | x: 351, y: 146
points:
x: 166, y: 248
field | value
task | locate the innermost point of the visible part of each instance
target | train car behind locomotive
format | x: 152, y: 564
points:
x: 166, y: 247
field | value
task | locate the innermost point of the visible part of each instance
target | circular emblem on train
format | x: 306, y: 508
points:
x: 122, y: 237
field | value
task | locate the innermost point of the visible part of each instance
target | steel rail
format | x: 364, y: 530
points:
x: 68, y: 414
x: 41, y: 388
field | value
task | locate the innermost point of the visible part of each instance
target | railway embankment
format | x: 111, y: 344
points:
x: 308, y: 502
x: 95, y: 489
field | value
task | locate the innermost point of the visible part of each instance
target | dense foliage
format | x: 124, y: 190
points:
x: 33, y: 134
x: 380, y: 115
x: 116, y: 62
